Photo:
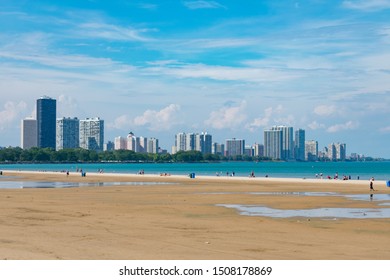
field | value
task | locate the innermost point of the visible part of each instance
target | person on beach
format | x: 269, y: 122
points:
x: 372, y: 184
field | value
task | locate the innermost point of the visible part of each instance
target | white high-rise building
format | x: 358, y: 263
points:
x: 287, y: 142
x: 180, y: 142
x: 28, y: 133
x: 152, y: 146
x: 136, y: 144
x: 341, y: 151
x: 132, y: 142
x: 332, y: 155
x: 279, y: 142
x: 273, y: 143
x: 92, y: 134
x: 120, y: 143
x: 311, y: 150
x: 67, y: 133
x: 190, y: 142
x: 143, y: 144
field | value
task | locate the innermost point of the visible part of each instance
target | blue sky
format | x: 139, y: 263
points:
x: 231, y: 68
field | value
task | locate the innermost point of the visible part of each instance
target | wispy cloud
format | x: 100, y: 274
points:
x: 325, y: 110
x: 349, y: 125
x: 60, y: 61
x: 225, y: 73
x: 367, y: 5
x: 194, y: 5
x: 101, y: 30
x: 148, y: 6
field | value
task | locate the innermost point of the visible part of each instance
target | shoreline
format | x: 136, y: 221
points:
x: 170, y: 177
x: 308, y: 170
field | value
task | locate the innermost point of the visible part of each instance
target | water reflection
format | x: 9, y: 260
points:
x: 37, y: 185
x: 323, y: 213
x: 360, y: 197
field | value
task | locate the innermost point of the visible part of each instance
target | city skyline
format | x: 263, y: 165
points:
x: 233, y: 70
x: 279, y: 143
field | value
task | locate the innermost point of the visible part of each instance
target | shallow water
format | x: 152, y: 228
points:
x: 360, y: 197
x: 32, y: 184
x: 323, y: 213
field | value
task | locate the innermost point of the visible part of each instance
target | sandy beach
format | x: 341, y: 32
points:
x: 181, y: 219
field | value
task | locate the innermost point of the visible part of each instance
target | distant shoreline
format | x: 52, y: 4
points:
x: 309, y: 170
x: 177, y: 177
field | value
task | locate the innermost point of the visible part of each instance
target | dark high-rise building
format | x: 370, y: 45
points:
x: 299, y: 145
x: 46, y: 122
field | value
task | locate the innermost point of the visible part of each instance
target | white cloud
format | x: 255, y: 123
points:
x: 225, y: 73
x: 350, y: 125
x: 314, y: 125
x: 67, y: 106
x: 325, y: 110
x: 285, y: 120
x: 121, y: 122
x: 159, y: 120
x: 265, y: 120
x: 367, y: 5
x: 201, y: 4
x: 385, y: 129
x: 227, y: 117
x: 11, y: 112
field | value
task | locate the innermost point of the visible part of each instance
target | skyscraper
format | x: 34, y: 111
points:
x: 279, y: 142
x: 152, y: 146
x: 258, y: 150
x: 67, y: 130
x: 180, y: 142
x: 28, y: 133
x: 235, y: 147
x: 46, y: 122
x: 203, y: 142
x: 287, y: 141
x: 92, y: 134
x: 299, y: 145
x: 218, y: 149
x: 120, y: 143
x: 311, y: 150
x: 273, y: 143
x: 338, y: 151
x: 190, y: 141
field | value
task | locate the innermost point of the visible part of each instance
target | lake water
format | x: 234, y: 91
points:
x: 364, y: 170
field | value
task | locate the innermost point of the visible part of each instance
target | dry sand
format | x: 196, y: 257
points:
x: 181, y: 220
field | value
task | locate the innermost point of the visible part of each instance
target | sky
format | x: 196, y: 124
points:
x: 230, y: 68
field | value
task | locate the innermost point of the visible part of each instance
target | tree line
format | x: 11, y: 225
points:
x: 47, y: 155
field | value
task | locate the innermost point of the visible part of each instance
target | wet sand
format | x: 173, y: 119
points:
x: 180, y: 220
